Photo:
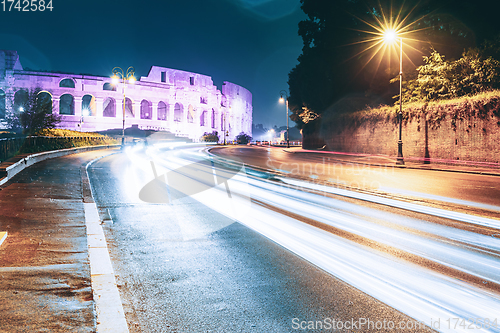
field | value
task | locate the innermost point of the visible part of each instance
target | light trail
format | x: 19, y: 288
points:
x: 467, y: 287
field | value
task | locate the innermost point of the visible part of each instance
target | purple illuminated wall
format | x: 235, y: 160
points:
x: 187, y: 104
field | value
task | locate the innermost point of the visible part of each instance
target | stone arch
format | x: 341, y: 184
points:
x: 178, y: 112
x: 146, y: 109
x: 89, y: 107
x: 190, y: 115
x: 162, y: 111
x: 20, y: 100
x: 109, y: 107
x: 129, y: 108
x: 67, y: 83
x: 109, y: 86
x: 67, y: 104
x: 212, y: 119
x: 203, y: 118
x: 44, y: 101
x: 2, y: 104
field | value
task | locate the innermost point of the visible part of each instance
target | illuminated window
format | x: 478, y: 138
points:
x: 67, y: 83
x: 109, y: 108
x: 162, y: 111
x: 108, y: 86
x: 146, y: 112
x: 67, y: 104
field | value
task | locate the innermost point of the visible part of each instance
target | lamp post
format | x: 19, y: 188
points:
x: 282, y: 100
x: 224, y: 127
x: 124, y: 77
x: 391, y: 36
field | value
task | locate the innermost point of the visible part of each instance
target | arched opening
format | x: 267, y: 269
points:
x: 2, y: 104
x: 203, y: 118
x: 162, y: 111
x: 190, y: 115
x: 178, y: 112
x: 44, y: 102
x: 108, y: 86
x: 109, y: 107
x: 67, y: 104
x: 212, y: 119
x: 89, y: 107
x: 146, y: 109
x: 67, y: 83
x: 129, y: 108
x: 20, y: 100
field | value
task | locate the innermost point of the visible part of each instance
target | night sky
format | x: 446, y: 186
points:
x: 252, y: 43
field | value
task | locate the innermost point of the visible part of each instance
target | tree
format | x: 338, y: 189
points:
x: 243, y: 138
x: 32, y: 114
x: 333, y: 64
x: 476, y: 71
x: 210, y: 137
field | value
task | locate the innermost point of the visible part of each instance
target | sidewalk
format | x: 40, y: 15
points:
x: 484, y: 168
x: 45, y: 282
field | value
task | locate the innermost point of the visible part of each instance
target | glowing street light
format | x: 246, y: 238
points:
x: 124, y: 77
x: 390, y: 36
x: 285, y: 100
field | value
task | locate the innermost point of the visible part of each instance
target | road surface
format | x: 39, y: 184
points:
x: 201, y: 246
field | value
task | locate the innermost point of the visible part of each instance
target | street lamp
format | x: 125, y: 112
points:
x: 282, y: 100
x: 225, y: 132
x: 390, y: 36
x: 127, y: 77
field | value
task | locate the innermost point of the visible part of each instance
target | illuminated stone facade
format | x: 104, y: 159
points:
x: 184, y: 103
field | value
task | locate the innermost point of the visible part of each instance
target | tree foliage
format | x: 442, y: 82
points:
x: 243, y: 138
x: 32, y: 114
x: 333, y: 63
x: 210, y: 137
x: 476, y: 71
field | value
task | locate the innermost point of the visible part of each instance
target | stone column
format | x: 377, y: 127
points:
x: 154, y: 110
x: 137, y: 109
x: 99, y: 104
x: 55, y: 104
x: 78, y: 106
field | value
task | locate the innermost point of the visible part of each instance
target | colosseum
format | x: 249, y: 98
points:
x: 183, y: 103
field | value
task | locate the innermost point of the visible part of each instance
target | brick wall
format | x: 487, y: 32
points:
x: 467, y: 131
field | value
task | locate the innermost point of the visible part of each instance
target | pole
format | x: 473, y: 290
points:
x: 287, y: 129
x: 400, y: 160
x: 123, y: 125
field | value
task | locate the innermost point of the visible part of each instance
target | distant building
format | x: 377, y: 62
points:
x: 184, y: 103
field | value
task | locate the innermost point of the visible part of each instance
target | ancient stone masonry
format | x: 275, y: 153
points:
x: 184, y: 103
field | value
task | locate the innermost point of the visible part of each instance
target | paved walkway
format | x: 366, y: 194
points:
x: 45, y: 283
x: 439, y: 165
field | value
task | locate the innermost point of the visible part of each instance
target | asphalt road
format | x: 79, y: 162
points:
x: 471, y: 190
x: 216, y: 251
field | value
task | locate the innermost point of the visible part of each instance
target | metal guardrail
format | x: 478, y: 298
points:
x: 9, y: 147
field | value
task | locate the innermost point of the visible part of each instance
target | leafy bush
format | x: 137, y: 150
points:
x: 243, y: 138
x: 63, y: 132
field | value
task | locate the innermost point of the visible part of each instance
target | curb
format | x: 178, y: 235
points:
x: 9, y: 170
x: 3, y: 236
x: 110, y: 316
